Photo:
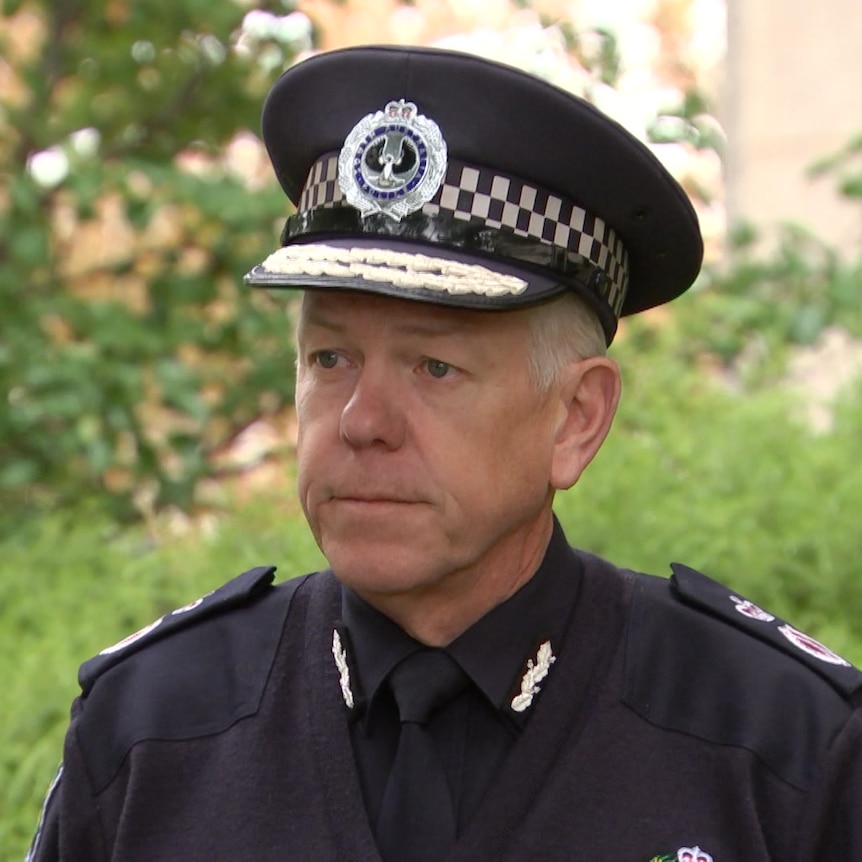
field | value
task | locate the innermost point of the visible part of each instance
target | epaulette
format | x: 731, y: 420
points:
x: 704, y: 661
x: 193, y: 673
x: 696, y: 589
x: 235, y: 593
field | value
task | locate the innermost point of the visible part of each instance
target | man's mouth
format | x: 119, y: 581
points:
x: 372, y: 499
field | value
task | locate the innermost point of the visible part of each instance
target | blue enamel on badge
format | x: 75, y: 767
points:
x: 392, y: 162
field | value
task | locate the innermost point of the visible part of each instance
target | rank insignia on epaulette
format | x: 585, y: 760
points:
x: 813, y: 647
x: 751, y: 610
x: 133, y: 638
x: 151, y: 627
x: 235, y: 593
x: 699, y: 591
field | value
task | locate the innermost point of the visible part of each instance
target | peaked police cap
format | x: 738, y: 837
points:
x: 443, y: 177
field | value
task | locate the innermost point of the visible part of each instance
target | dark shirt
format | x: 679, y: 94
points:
x: 476, y: 730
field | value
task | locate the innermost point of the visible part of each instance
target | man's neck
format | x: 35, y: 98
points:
x: 439, y: 614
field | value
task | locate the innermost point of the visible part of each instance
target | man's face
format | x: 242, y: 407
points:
x: 424, y: 447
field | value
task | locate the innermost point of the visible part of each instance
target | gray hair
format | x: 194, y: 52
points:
x: 563, y: 330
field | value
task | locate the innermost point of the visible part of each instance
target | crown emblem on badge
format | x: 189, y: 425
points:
x: 392, y: 162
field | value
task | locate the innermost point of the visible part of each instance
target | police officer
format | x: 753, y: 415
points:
x: 461, y: 684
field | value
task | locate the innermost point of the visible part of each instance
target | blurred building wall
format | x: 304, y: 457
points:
x: 794, y: 95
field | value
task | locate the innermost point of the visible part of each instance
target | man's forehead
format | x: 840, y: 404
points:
x: 337, y: 310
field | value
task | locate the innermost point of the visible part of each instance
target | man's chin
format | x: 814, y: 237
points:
x: 379, y: 567
x: 363, y: 527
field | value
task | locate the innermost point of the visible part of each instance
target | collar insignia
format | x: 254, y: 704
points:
x: 340, y: 656
x: 685, y: 854
x: 536, y: 672
x: 392, y: 162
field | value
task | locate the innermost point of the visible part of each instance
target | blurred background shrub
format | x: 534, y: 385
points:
x: 135, y: 194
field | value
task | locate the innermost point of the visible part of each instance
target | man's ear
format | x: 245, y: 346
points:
x: 589, y: 391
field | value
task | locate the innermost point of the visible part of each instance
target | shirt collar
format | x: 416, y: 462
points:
x: 376, y: 644
x: 495, y: 650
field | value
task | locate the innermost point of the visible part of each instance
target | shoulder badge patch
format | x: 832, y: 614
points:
x: 697, y: 590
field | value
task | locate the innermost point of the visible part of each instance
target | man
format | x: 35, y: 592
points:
x: 462, y: 684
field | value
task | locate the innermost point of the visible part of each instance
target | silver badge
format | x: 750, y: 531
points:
x: 536, y: 671
x: 340, y: 656
x: 392, y: 162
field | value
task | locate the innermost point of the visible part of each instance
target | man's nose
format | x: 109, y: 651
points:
x: 375, y: 413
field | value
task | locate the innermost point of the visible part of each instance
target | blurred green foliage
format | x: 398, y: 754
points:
x: 845, y: 166
x: 732, y: 480
x: 128, y: 349
x: 782, y: 299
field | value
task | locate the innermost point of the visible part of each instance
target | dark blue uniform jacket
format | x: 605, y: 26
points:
x: 678, y: 717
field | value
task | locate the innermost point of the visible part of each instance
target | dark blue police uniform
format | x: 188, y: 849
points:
x: 668, y: 720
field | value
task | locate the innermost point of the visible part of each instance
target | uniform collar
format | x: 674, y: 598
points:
x: 495, y: 650
x: 375, y: 644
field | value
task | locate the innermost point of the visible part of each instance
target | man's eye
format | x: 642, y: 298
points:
x: 325, y: 358
x: 437, y: 368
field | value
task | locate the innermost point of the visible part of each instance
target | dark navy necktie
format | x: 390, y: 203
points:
x: 417, y: 820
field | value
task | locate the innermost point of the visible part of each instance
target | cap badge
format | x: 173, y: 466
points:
x: 392, y: 162
x: 536, y: 671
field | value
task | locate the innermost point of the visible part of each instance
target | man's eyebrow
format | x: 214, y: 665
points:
x: 321, y: 321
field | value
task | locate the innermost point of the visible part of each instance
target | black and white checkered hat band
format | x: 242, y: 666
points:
x: 499, y: 201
